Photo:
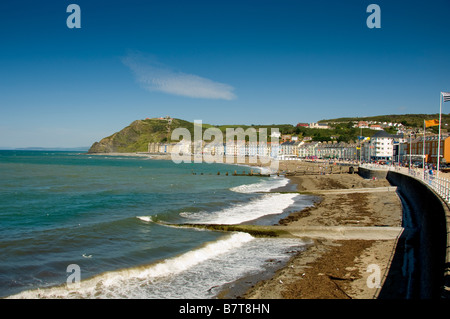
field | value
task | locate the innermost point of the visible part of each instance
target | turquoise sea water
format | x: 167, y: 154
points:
x: 98, y: 212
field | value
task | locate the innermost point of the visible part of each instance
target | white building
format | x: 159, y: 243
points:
x: 345, y: 151
x: 289, y: 148
x: 307, y: 150
x: 275, y: 134
x: 380, y: 147
x: 319, y: 125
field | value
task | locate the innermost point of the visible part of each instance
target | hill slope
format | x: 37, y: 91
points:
x: 410, y: 120
x: 136, y: 136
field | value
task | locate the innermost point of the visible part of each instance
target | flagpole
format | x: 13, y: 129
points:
x: 423, y: 150
x: 439, y: 135
x: 360, y: 146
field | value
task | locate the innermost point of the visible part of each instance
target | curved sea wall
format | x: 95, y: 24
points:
x: 419, y: 268
x: 369, y: 173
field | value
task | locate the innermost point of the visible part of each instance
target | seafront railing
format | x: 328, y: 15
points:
x: 440, y: 185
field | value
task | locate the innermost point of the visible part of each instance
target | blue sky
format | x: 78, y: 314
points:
x: 222, y: 62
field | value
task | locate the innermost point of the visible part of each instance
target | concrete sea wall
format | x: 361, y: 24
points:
x: 369, y: 174
x: 419, y: 268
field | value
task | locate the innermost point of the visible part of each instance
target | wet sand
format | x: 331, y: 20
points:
x: 332, y: 269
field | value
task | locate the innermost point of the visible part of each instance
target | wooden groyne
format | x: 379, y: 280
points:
x: 251, y: 173
x: 325, y: 169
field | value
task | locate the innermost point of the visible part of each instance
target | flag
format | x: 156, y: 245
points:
x: 446, y: 96
x: 431, y: 123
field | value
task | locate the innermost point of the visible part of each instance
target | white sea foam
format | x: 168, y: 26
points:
x: 199, y: 273
x: 145, y: 218
x: 265, y: 185
x: 268, y: 204
x: 111, y: 284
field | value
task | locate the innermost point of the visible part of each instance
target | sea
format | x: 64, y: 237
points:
x: 75, y: 225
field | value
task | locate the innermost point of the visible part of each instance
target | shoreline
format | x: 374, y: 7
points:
x: 330, y: 268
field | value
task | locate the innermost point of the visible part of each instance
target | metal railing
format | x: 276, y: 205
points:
x: 440, y: 185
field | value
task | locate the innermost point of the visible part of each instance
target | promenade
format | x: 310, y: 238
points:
x: 440, y: 183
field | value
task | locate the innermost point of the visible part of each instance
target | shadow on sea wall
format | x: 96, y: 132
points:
x: 369, y: 174
x: 419, y: 263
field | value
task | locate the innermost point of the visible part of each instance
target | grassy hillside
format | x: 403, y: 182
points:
x: 409, y: 120
x: 136, y: 136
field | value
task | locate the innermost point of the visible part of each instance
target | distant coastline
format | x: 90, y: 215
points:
x: 53, y: 149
